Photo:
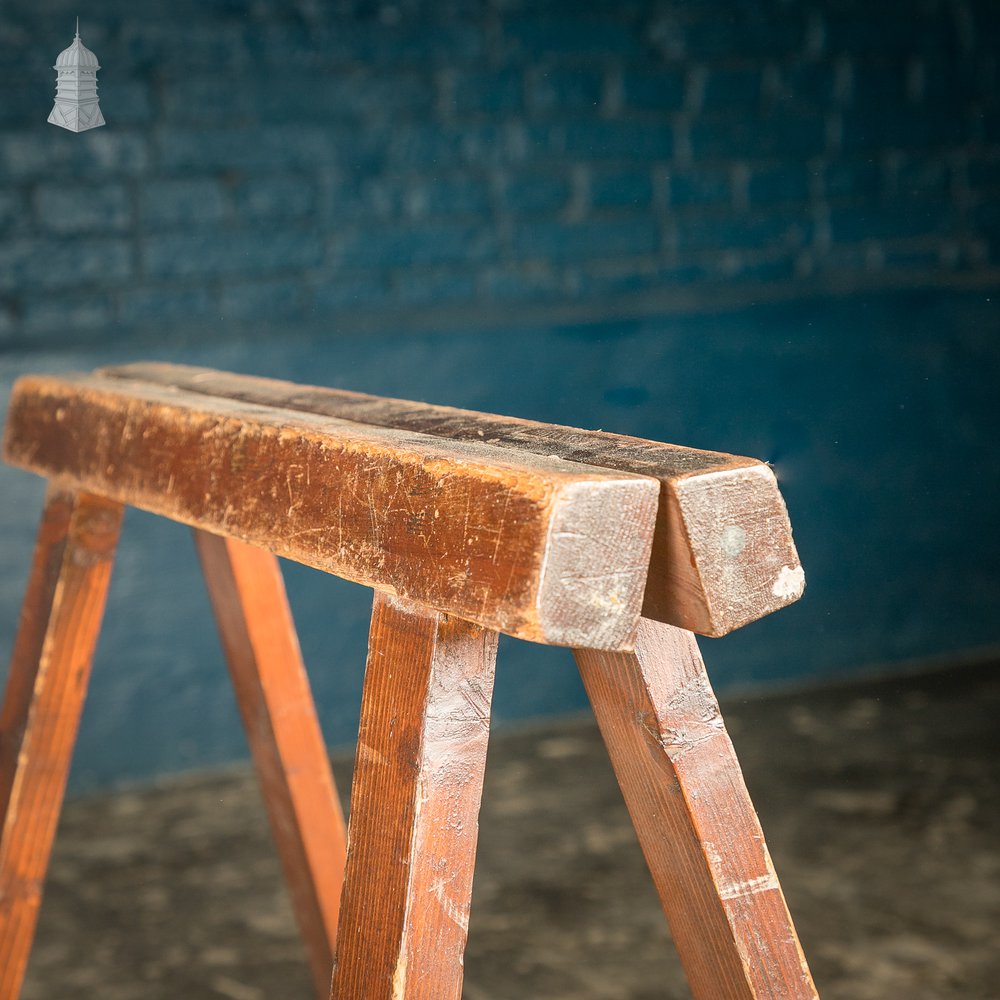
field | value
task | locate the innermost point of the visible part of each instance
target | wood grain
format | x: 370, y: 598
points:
x: 722, y: 554
x: 272, y: 689
x: 542, y: 548
x: 414, y: 806
x: 694, y: 819
x: 45, y: 692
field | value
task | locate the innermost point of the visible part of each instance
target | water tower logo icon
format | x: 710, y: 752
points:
x: 76, y: 106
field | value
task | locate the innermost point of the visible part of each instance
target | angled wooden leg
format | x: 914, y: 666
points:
x: 695, y: 821
x: 275, y: 701
x: 45, y: 692
x: 415, y: 801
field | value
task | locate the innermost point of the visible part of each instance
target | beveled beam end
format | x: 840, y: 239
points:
x: 723, y: 554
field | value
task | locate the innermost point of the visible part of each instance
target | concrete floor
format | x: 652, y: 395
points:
x: 880, y: 802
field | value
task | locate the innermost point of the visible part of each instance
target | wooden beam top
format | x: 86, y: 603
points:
x: 722, y: 553
x: 533, y: 545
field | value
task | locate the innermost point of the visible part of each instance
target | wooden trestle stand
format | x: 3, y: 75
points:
x: 466, y: 525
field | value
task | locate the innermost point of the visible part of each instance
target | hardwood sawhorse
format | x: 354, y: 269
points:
x: 466, y: 525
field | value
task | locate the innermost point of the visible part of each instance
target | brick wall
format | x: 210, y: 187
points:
x: 599, y: 200
x: 449, y: 163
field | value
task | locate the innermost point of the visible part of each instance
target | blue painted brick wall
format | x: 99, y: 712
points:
x: 768, y: 228
x: 346, y: 153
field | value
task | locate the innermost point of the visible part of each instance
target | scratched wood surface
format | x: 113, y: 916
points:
x: 541, y: 548
x: 722, y: 554
x: 46, y: 687
x: 695, y: 822
x: 418, y: 778
x: 272, y: 689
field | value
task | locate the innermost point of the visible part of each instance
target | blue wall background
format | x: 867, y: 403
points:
x: 770, y: 229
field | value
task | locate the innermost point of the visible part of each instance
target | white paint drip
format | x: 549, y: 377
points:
x: 790, y: 583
